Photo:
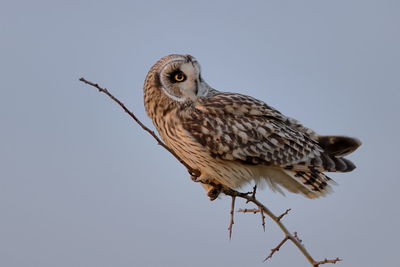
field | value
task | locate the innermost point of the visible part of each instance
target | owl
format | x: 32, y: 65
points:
x: 235, y: 139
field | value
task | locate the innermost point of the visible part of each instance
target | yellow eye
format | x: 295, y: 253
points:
x: 180, y: 77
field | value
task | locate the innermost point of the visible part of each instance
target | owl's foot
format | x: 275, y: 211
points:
x: 214, y: 192
x: 212, y: 187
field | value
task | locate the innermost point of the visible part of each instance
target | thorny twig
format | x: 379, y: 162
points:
x: 254, y: 211
x: 249, y: 210
x: 253, y: 193
x: 230, y: 228
x: 327, y: 261
x: 263, y: 220
x: 249, y: 197
x: 283, y: 214
x: 275, y: 249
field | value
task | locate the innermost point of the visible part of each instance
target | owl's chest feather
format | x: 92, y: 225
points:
x: 186, y: 146
x: 181, y: 141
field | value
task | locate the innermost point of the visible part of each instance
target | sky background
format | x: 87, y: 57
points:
x: 82, y: 185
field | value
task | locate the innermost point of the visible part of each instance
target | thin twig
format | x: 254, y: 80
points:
x: 230, y: 228
x: 263, y: 220
x: 249, y: 210
x: 254, y: 211
x: 283, y: 214
x: 254, y: 190
x: 326, y: 261
x: 275, y: 249
x: 253, y: 193
x: 250, y: 197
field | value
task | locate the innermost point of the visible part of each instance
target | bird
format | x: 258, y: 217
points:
x: 234, y: 139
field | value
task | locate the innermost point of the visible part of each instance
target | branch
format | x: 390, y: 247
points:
x: 249, y: 197
x: 253, y: 193
x: 263, y: 220
x: 327, y: 261
x: 254, y: 211
x: 249, y: 210
x: 230, y: 228
x: 283, y: 214
x: 276, y: 219
x: 275, y: 249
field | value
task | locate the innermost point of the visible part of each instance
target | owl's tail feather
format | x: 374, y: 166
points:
x: 327, y: 163
x: 311, y: 184
x: 332, y: 158
x: 338, y: 146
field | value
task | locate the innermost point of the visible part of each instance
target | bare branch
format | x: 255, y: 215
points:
x: 231, y: 192
x: 254, y: 211
x: 275, y: 249
x: 283, y: 214
x: 326, y: 261
x: 249, y: 210
x: 249, y: 197
x: 263, y: 220
x: 230, y: 228
x: 253, y: 193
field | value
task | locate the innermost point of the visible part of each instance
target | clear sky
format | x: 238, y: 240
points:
x: 82, y: 185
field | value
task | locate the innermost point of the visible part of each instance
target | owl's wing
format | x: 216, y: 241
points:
x: 241, y: 128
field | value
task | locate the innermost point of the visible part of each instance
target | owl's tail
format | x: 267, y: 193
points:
x: 311, y: 184
x: 338, y: 146
x: 308, y: 178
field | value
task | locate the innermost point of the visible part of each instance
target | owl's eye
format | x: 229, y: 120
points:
x: 178, y: 77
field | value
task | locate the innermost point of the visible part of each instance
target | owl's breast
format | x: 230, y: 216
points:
x: 229, y: 173
x: 181, y: 141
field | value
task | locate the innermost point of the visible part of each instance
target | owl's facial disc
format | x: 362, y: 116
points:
x: 181, y: 81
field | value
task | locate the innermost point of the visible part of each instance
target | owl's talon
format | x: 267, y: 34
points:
x: 194, y: 174
x: 214, y: 192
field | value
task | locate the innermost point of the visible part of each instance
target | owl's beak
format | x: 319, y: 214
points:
x: 202, y: 88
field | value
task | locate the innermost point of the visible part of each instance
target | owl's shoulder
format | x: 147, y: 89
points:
x: 234, y: 104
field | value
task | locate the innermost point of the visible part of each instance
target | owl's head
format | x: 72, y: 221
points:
x: 178, y: 77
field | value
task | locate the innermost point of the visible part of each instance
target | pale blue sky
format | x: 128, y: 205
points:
x: 81, y: 185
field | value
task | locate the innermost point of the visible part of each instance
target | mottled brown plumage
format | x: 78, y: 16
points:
x: 234, y: 139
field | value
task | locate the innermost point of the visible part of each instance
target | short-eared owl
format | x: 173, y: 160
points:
x: 234, y: 139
